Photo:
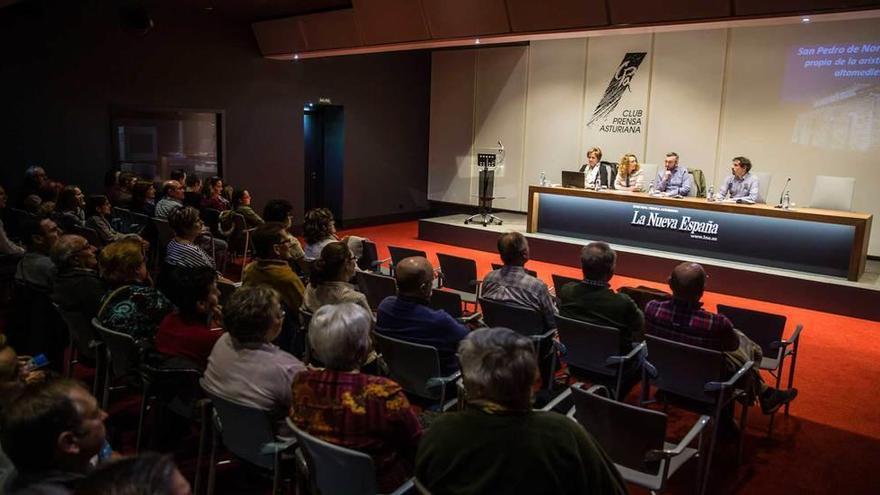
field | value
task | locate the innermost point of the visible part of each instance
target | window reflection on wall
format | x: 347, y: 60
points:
x: 152, y: 143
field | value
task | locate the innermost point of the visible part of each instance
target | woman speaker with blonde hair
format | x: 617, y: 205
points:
x: 629, y: 174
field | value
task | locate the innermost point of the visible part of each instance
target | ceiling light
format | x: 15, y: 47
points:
x: 805, y: 19
x: 296, y: 56
x: 477, y: 41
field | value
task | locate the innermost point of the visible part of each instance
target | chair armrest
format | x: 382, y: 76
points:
x: 633, y: 353
x: 469, y: 318
x: 715, y: 386
x: 379, y: 262
x: 406, y: 487
x: 443, y: 380
x: 546, y: 335
x: 556, y: 400
x: 699, y: 426
x: 794, y: 337
x: 279, y: 445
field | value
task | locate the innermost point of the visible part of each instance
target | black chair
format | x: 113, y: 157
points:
x: 369, y: 260
x: 596, y: 349
x: 376, y: 287
x: 84, y: 343
x: 497, y: 266
x: 416, y: 368
x: 559, y: 281
x: 89, y: 234
x: 305, y: 319
x: 766, y: 330
x: 240, y: 238
x: 527, y: 322
x: 173, y: 384
x: 400, y: 253
x: 447, y: 301
x: 164, y: 234
x: 211, y: 218
x: 642, y: 295
x: 460, y: 275
x: 694, y: 378
x: 35, y: 327
x: 123, y: 357
x: 635, y: 438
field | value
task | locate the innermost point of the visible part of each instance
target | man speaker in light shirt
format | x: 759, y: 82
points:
x: 674, y: 180
x: 741, y: 185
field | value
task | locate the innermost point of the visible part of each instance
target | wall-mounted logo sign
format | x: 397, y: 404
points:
x: 630, y: 120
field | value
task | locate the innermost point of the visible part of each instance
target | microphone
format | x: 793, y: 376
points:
x: 782, y: 194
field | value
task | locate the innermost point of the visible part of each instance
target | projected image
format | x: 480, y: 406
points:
x: 841, y: 84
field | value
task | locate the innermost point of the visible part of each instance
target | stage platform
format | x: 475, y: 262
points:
x: 860, y: 299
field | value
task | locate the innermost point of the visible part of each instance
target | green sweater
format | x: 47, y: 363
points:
x: 603, y: 306
x: 473, y: 452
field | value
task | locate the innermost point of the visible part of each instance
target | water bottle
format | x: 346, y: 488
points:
x: 651, y: 188
x: 543, y: 179
x: 710, y: 194
x: 786, y: 201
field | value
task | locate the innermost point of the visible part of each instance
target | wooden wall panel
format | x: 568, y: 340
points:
x: 549, y: 15
x: 390, y: 21
x: 652, y: 11
x: 759, y: 7
x: 463, y: 18
x: 280, y: 36
x: 327, y: 30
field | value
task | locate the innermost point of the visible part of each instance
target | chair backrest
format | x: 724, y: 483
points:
x: 328, y: 462
x: 589, y: 345
x: 692, y: 192
x: 89, y: 234
x: 411, y: 365
x: 626, y: 432
x: 401, y: 253
x: 458, y: 273
x: 376, y: 287
x: 245, y: 431
x: 684, y: 369
x: 124, y: 352
x: 560, y: 280
x: 369, y: 256
x: 211, y: 217
x: 447, y: 301
x: 643, y: 295
x: 764, y: 179
x: 81, y: 331
x: 649, y: 173
x: 164, y: 234
x: 497, y: 266
x: 762, y: 328
x: 833, y: 193
x: 175, y: 381
x: 525, y: 321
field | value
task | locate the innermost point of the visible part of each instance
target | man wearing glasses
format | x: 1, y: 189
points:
x: 275, y: 247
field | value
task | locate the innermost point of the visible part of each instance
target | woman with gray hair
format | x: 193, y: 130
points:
x: 498, y: 444
x: 341, y: 405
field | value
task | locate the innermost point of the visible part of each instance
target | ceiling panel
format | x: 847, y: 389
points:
x: 759, y: 7
x: 463, y: 18
x: 548, y: 15
x: 336, y: 29
x: 654, y: 11
x: 390, y: 21
x: 257, y: 10
x: 279, y: 37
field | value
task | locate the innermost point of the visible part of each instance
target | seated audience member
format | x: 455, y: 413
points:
x: 343, y: 406
x: 511, y: 284
x: 98, y: 212
x: 77, y: 287
x: 594, y: 301
x: 241, y: 203
x: 14, y: 373
x: 674, y: 179
x: 51, y: 432
x: 279, y: 210
x: 408, y: 315
x: 132, y: 305
x: 172, y: 199
x: 682, y: 319
x: 329, y: 279
x: 145, y: 474
x: 193, y: 194
x: 741, y: 184
x: 32, y: 204
x: 274, y: 247
x: 69, y: 210
x: 179, y: 175
x: 213, y: 195
x: 191, y: 330
x: 182, y: 250
x: 629, y: 174
x: 37, y: 182
x: 7, y: 247
x: 498, y: 444
x: 245, y: 367
x: 35, y: 269
x: 143, y: 198
x: 319, y: 229
x: 121, y: 195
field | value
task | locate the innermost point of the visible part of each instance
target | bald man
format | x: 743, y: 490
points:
x: 682, y: 319
x: 408, y: 315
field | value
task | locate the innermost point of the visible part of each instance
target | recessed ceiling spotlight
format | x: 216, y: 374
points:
x: 805, y: 19
x: 296, y: 56
x: 477, y: 41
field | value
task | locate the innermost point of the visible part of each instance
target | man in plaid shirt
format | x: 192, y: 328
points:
x: 511, y: 283
x: 682, y: 319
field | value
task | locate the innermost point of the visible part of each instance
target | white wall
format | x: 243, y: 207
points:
x: 708, y: 95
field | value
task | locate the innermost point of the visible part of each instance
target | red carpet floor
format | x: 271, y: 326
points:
x: 831, y: 440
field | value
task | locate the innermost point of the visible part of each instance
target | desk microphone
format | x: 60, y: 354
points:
x: 782, y: 195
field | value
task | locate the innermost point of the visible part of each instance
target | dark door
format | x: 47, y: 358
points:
x: 324, y: 138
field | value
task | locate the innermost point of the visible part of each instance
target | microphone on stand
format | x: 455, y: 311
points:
x: 782, y: 194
